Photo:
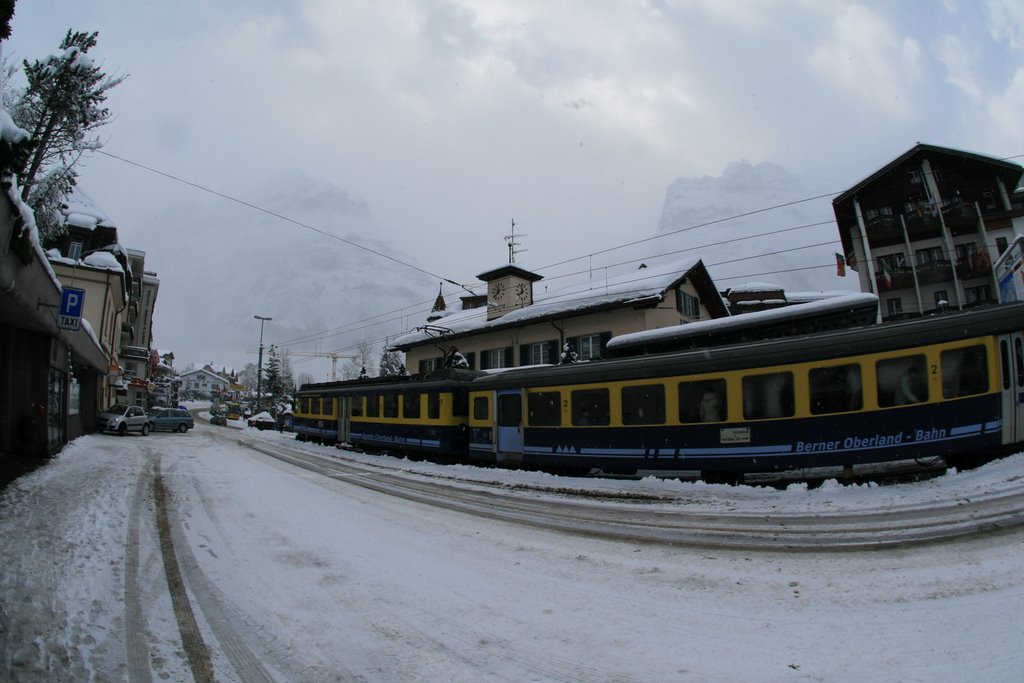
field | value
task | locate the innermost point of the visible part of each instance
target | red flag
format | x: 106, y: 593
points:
x: 840, y: 266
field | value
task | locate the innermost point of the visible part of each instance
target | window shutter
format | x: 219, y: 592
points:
x: 524, y: 354
x: 509, y: 358
x: 553, y: 351
x: 605, y: 336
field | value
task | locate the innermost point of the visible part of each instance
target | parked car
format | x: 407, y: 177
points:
x: 122, y: 419
x: 171, y: 419
x: 218, y: 419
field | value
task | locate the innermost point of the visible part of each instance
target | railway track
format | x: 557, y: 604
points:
x: 670, y: 521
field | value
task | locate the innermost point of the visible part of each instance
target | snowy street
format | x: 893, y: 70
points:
x: 181, y: 557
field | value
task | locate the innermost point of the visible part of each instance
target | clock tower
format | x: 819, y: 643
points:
x: 508, y: 288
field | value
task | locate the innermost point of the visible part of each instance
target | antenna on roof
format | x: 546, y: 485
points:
x: 510, y: 240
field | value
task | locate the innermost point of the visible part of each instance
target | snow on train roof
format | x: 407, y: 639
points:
x: 577, y: 299
x: 720, y: 325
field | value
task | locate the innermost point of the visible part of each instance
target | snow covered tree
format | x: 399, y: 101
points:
x: 568, y: 354
x: 273, y: 377
x: 248, y: 375
x: 391, y: 363
x: 61, y: 108
x: 362, y: 358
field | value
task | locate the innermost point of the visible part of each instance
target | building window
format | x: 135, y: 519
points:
x: 941, y: 299
x: 688, y: 305
x: 930, y: 255
x: 590, y: 346
x: 496, y: 358
x: 977, y: 295
x: 894, y: 307
x: 430, y: 364
x: 540, y: 353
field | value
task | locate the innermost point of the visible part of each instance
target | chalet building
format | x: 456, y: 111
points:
x: 137, y: 360
x: 923, y: 232
x: 203, y: 384
x: 516, y: 325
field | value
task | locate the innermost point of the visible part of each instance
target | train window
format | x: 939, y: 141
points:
x: 836, y: 389
x: 643, y: 405
x: 590, y: 407
x: 964, y: 371
x: 481, y: 408
x: 703, y: 401
x: 357, y: 406
x: 314, y: 406
x: 328, y: 407
x: 1004, y: 358
x: 510, y: 410
x: 390, y: 405
x: 902, y: 381
x: 373, y: 405
x: 433, y: 405
x: 544, y: 408
x: 460, y: 403
x: 768, y: 396
x: 411, y: 406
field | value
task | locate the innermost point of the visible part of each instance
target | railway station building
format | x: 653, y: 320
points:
x: 519, y: 323
x: 923, y: 231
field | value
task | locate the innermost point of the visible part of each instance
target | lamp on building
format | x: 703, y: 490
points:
x: 259, y: 370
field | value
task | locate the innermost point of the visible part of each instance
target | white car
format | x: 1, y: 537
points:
x: 122, y: 419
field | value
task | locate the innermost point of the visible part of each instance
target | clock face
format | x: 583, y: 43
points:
x: 522, y: 293
x: 497, y: 291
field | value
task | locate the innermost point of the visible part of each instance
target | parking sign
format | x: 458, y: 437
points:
x: 72, y: 301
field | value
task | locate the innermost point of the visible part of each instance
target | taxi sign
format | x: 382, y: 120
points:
x: 72, y: 302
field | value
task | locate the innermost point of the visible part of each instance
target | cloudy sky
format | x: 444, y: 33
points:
x: 451, y: 118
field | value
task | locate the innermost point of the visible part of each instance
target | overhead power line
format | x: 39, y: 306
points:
x: 256, y: 207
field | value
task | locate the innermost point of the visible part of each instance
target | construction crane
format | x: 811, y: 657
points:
x: 320, y: 354
x: 323, y: 354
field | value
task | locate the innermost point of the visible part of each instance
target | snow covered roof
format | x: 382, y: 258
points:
x: 83, y: 212
x: 758, y: 319
x: 204, y: 371
x: 633, y: 288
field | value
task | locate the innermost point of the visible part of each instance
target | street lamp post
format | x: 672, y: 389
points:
x: 259, y: 371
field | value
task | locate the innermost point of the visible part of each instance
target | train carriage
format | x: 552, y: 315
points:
x: 949, y: 386
x: 426, y: 415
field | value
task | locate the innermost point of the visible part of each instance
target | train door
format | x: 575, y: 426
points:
x: 509, y: 425
x: 344, y: 418
x: 1011, y: 352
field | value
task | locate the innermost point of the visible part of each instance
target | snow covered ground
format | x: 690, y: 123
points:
x: 293, y: 576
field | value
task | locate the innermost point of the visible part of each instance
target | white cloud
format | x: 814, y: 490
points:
x: 1006, y: 22
x: 1003, y: 129
x: 865, y: 59
x: 959, y: 63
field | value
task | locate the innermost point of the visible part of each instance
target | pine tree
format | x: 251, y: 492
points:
x: 391, y: 363
x: 61, y: 108
x: 272, y: 377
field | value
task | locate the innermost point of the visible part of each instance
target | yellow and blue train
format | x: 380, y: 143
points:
x: 949, y: 385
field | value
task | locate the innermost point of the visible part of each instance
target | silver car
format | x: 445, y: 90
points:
x: 122, y: 419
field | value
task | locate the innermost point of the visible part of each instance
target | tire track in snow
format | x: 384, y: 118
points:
x: 191, y: 638
x: 137, y: 649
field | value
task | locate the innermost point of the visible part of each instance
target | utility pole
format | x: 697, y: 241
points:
x: 259, y: 371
